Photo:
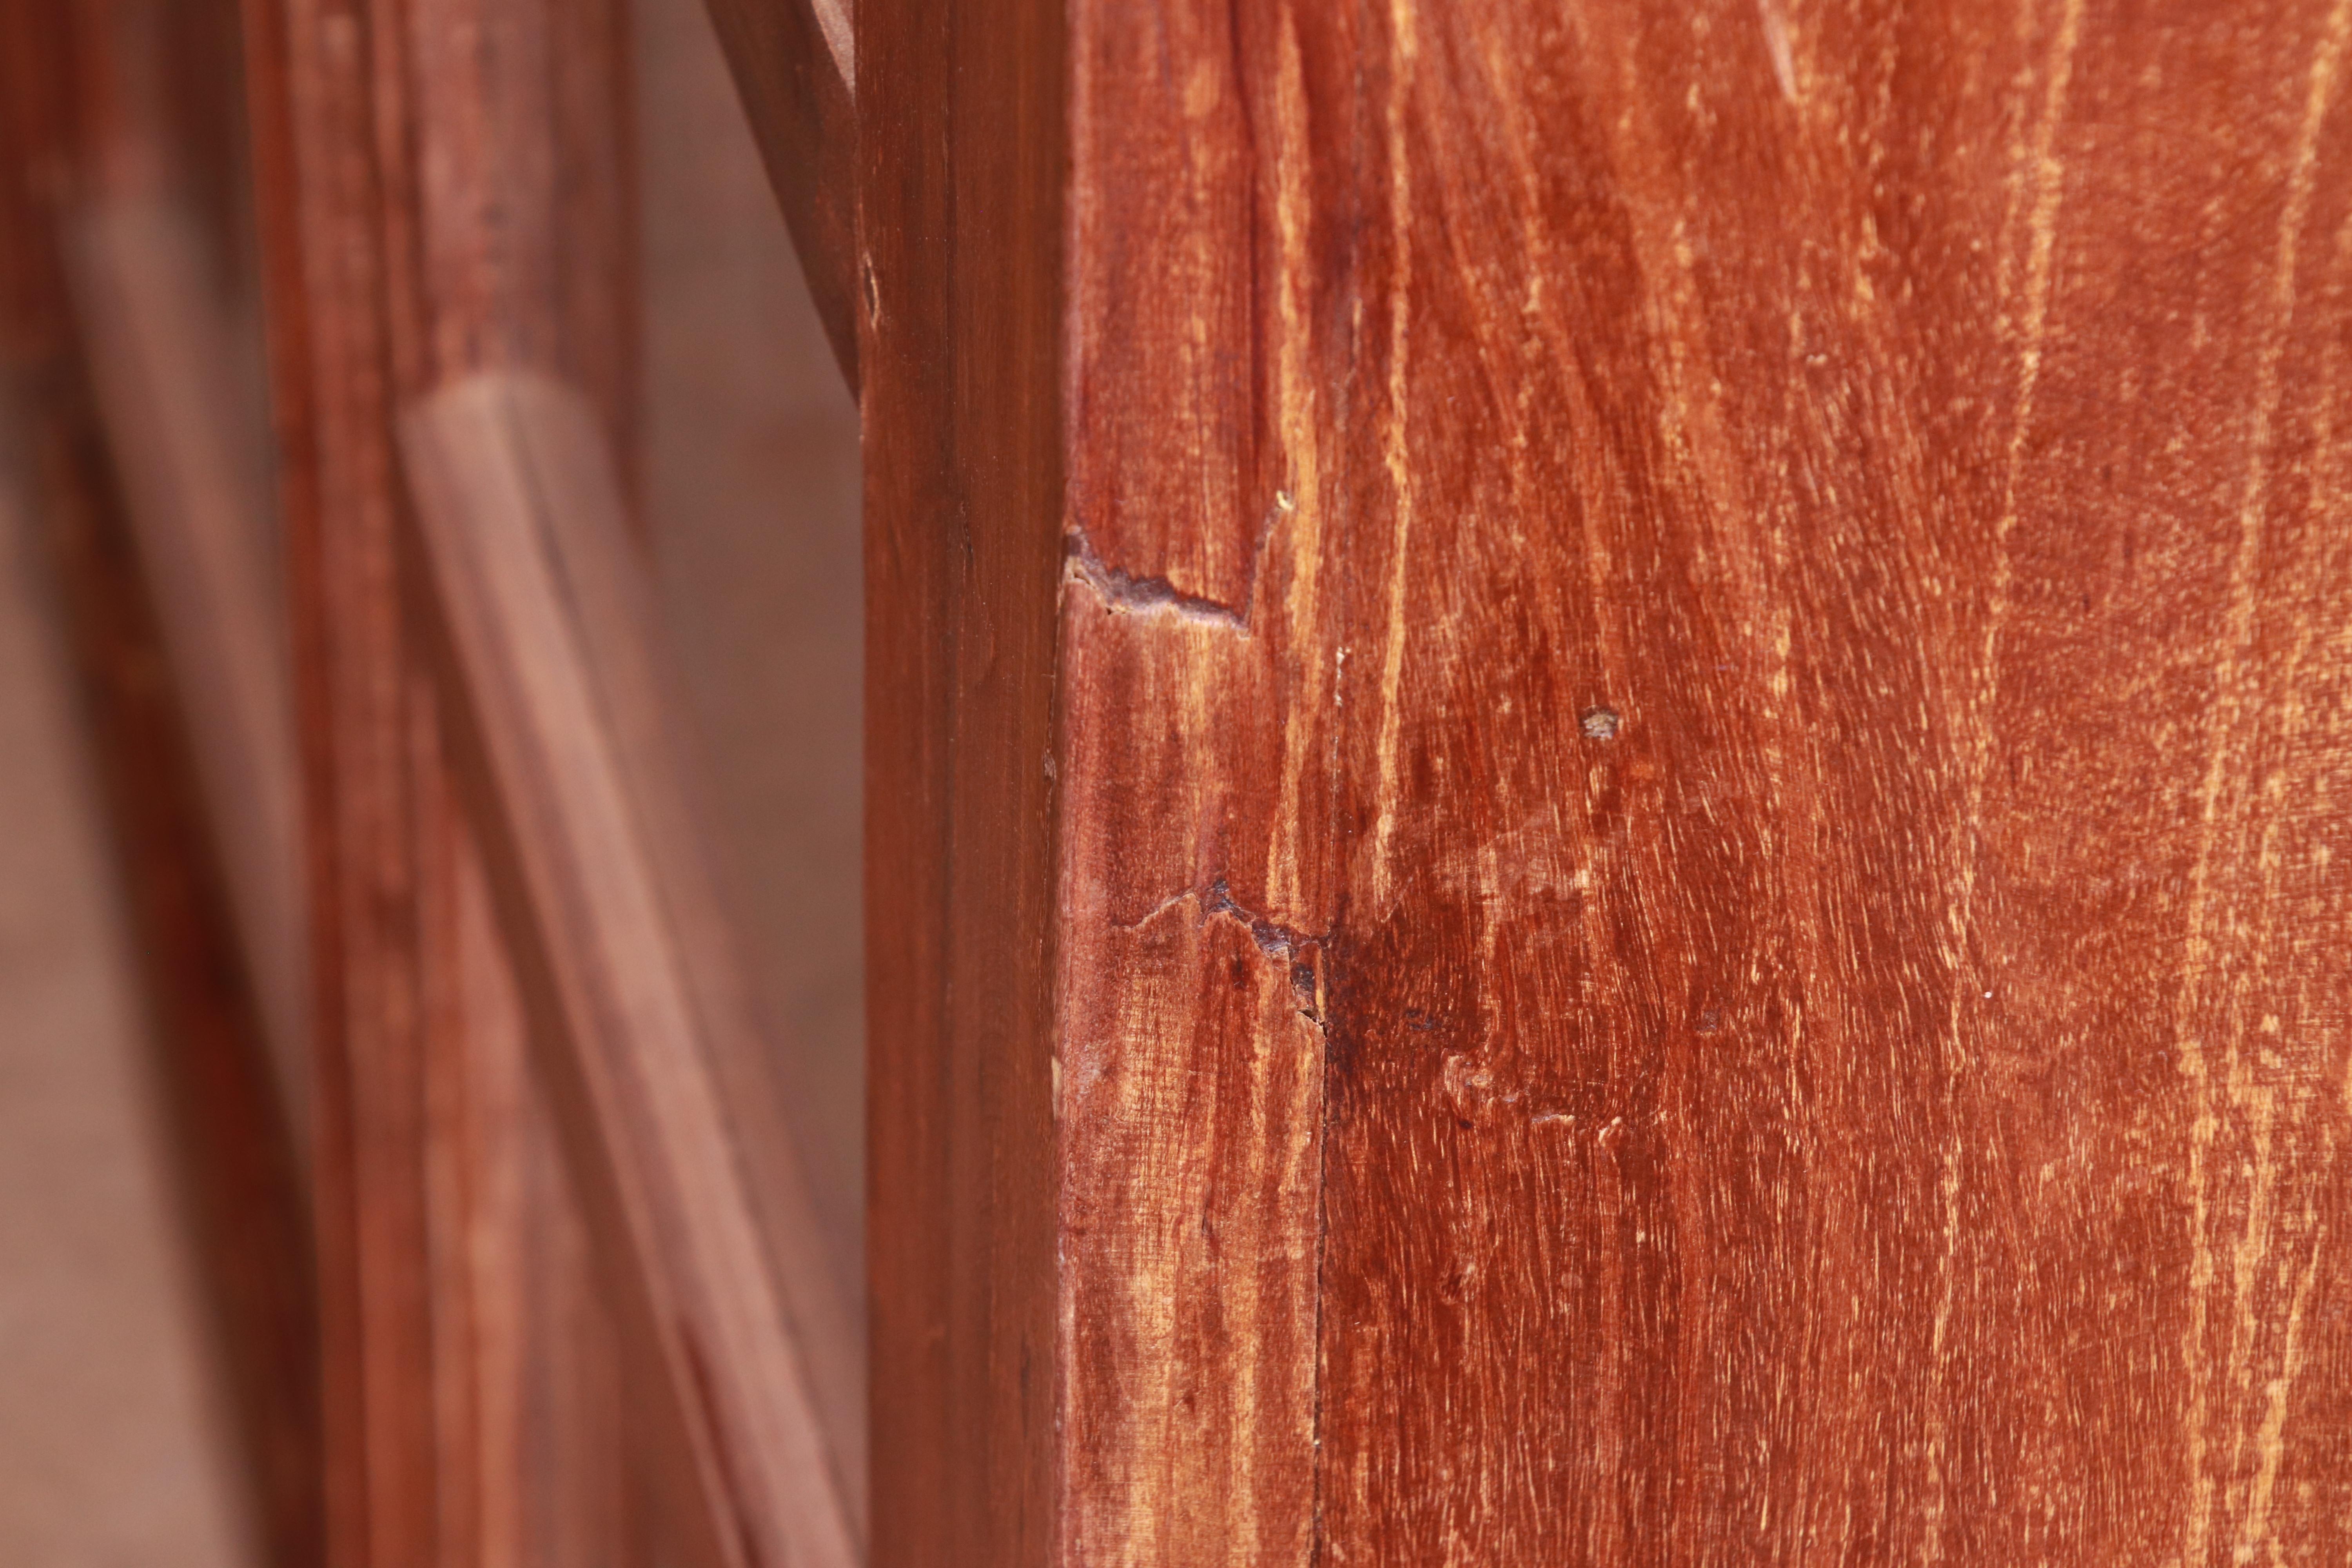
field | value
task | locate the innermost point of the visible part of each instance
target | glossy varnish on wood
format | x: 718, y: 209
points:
x: 1701, y: 759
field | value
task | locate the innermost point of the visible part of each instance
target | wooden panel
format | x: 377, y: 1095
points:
x: 959, y: 186
x: 549, y: 632
x: 1746, y: 605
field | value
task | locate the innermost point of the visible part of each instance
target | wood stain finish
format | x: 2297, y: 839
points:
x: 1606, y: 748
x: 1699, y: 695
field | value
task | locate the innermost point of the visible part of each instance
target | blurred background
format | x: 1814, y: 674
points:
x: 157, y: 1339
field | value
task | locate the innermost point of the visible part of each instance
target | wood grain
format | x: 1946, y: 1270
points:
x: 960, y: 166
x: 549, y: 630
x: 441, y: 185
x: 1746, y: 605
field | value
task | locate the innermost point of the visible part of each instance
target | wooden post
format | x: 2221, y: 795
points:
x: 961, y: 160
x: 444, y: 187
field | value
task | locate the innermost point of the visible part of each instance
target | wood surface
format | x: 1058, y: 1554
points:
x: 1697, y: 746
x: 550, y: 636
x: 441, y: 185
x: 959, y: 171
x: 795, y: 63
x: 1605, y: 754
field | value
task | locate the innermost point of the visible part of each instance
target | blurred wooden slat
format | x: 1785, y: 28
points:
x: 118, y: 1176
x: 796, y: 67
x: 241, y: 1164
x: 960, y: 172
x: 157, y: 351
x: 241, y: 1174
x: 623, y: 954
x: 441, y: 184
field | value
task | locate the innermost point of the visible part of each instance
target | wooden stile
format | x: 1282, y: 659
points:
x: 960, y: 162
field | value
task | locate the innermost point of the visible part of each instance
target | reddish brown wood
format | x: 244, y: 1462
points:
x: 1735, y: 593
x: 1696, y: 750
x: 796, y: 66
x: 528, y: 1389
x: 442, y: 186
x: 159, y: 345
x: 959, y: 178
x: 37, y: 123
x: 241, y: 1180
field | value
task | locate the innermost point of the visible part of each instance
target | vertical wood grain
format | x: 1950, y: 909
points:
x: 444, y: 187
x: 961, y: 160
x: 1739, y: 595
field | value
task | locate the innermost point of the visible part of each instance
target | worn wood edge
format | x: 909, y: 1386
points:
x: 155, y: 348
x: 615, y: 1014
x: 794, y: 65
